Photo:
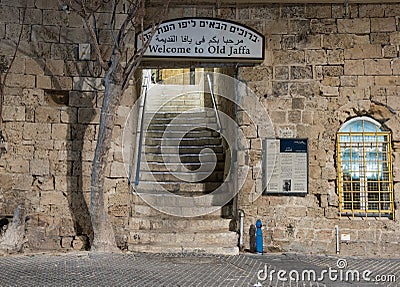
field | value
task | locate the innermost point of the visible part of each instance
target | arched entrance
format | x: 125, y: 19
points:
x: 184, y: 168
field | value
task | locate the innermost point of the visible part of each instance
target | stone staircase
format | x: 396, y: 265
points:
x: 183, y: 162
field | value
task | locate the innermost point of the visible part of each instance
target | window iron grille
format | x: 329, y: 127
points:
x: 365, y: 184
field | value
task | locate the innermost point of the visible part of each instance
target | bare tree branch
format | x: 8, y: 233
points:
x: 123, y: 31
x: 113, y: 20
x: 95, y: 40
x: 134, y: 61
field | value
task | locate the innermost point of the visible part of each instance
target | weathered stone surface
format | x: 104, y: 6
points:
x: 378, y: 67
x: 354, y: 67
x: 324, y: 64
x: 39, y: 167
x: 356, y: 26
x: 47, y: 115
x: 301, y: 73
x: 33, y: 131
x: 13, y: 113
x: 383, y: 24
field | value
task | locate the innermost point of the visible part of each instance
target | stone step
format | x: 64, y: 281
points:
x: 183, y: 149
x: 179, y: 208
x: 200, y: 141
x: 170, y: 108
x: 178, y: 96
x: 156, y: 166
x: 181, y: 126
x: 176, y: 102
x: 199, y: 113
x: 150, y: 186
x: 175, y: 98
x: 169, y: 248
x: 152, y: 133
x: 184, y: 158
x: 200, y: 238
x: 168, y: 223
x: 215, y: 176
x: 215, y: 201
x: 180, y: 118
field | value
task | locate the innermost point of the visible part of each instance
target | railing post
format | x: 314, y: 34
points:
x: 214, y: 104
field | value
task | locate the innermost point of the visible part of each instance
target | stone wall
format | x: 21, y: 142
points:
x: 324, y: 64
x: 51, y: 114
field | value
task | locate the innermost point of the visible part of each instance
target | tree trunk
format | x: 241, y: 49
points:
x: 103, y: 237
x: 13, y: 239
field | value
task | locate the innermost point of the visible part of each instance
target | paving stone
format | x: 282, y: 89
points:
x: 193, y: 269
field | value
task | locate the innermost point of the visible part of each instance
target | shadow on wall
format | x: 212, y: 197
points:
x: 70, y: 115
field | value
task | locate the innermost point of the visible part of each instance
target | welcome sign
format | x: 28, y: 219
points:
x: 203, y: 39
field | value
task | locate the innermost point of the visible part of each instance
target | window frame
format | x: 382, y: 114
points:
x: 364, y: 182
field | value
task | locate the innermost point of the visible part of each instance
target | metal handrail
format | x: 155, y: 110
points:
x: 139, y: 143
x: 214, y: 104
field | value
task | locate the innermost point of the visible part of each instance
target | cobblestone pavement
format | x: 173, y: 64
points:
x: 89, y: 269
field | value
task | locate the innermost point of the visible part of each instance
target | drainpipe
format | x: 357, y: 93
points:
x: 337, y: 238
x: 241, y: 228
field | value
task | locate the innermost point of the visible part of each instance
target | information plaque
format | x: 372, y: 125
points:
x: 285, y: 166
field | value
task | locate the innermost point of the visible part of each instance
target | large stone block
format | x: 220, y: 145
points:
x: 47, y: 5
x: 54, y: 67
x: 279, y: 26
x: 87, y: 84
x: 50, y: 34
x: 316, y: 57
x: 301, y: 72
x: 371, y: 10
x: 118, y: 170
x: 20, y: 81
x: 319, y: 11
x: 22, y: 181
x: 18, y: 66
x: 74, y: 35
x: 34, y: 66
x: 9, y: 15
x: 69, y: 115
x: 60, y: 132
x: 378, y: 67
x: 390, y: 51
x: 55, y: 18
x: 337, y: 41
x: 13, y: 113
x: 288, y: 57
x: 387, y: 24
x: 88, y: 115
x: 363, y: 52
x: 328, y: 91
x: 36, y: 131
x: 323, y: 26
x: 33, y: 16
x: 82, y: 99
x: 354, y: 67
x: 45, y: 114
x: 296, y: 211
x: 43, y: 82
x: 354, y: 26
x: 394, y: 38
x: 7, y: 181
x: 39, y: 167
x: 249, y: 132
x: 19, y: 165
x: 61, y: 83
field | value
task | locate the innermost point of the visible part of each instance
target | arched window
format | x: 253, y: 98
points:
x: 364, y: 169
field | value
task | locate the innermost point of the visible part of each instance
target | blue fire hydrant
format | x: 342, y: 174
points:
x: 259, y: 238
